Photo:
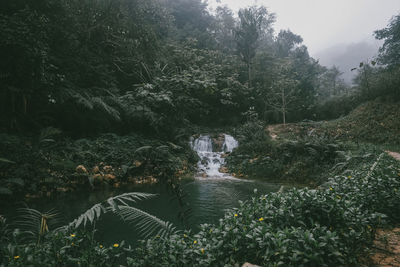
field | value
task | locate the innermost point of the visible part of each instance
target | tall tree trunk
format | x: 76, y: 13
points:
x: 249, y: 72
x: 283, y: 107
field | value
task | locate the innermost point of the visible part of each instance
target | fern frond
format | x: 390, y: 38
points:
x: 6, y: 160
x: 147, y: 224
x: 143, y: 148
x: 90, y: 215
x: 113, y: 202
x: 102, y: 105
x: 34, y: 223
x: 118, y: 205
x: 47, y: 133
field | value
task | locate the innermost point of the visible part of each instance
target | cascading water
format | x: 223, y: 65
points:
x: 211, y: 161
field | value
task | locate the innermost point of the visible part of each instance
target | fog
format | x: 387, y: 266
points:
x: 332, y: 30
x: 348, y: 56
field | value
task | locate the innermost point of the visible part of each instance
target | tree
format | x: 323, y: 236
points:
x: 224, y: 29
x: 330, y: 83
x: 286, y: 41
x: 390, y: 51
x: 282, y: 92
x: 253, y: 22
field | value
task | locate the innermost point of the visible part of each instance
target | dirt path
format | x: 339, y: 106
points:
x: 272, y: 131
x: 386, y: 248
x: 393, y: 154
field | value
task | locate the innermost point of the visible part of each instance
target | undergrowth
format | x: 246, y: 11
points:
x: 51, y: 164
x: 301, y: 159
x: 328, y: 226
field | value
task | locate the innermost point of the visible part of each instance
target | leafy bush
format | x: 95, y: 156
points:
x: 301, y: 160
x: 329, y: 226
x: 45, y: 166
x: 325, y: 227
x: 376, y: 122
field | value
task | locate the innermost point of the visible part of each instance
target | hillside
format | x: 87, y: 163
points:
x: 372, y: 122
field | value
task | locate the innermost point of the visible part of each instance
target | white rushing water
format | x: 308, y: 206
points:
x: 211, y: 161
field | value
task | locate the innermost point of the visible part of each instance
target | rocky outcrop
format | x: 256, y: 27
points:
x: 218, y: 142
x: 246, y: 264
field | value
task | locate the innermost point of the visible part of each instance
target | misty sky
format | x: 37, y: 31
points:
x: 326, y: 23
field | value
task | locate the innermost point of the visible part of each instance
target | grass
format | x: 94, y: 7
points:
x: 373, y: 122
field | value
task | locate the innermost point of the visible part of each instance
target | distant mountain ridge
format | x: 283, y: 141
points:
x: 348, y: 56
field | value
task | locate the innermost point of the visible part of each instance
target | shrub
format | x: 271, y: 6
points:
x: 325, y: 227
x: 329, y: 226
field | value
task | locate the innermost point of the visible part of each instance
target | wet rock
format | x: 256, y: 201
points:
x: 246, y: 264
x: 137, y: 163
x: 218, y: 142
x: 204, y: 161
x: 223, y: 169
x: 81, y: 169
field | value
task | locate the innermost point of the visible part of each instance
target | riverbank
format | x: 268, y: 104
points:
x: 51, y: 164
x: 330, y: 226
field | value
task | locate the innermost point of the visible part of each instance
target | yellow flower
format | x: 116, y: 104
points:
x: 330, y: 188
x: 116, y: 245
x: 235, y: 215
x: 202, y: 250
x: 349, y: 176
x: 16, y: 257
x: 195, y: 242
x: 72, y: 235
x: 184, y: 235
x: 101, y: 246
x: 72, y: 243
x: 261, y: 219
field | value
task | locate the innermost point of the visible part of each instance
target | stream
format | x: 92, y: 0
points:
x: 209, y: 194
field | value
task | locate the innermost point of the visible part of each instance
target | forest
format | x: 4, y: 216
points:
x: 115, y: 97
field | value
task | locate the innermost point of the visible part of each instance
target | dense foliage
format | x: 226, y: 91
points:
x: 314, y: 227
x: 106, y: 92
x: 146, y: 66
x: 59, y: 164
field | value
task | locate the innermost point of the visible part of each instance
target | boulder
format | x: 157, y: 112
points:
x: 246, y: 264
x: 223, y: 169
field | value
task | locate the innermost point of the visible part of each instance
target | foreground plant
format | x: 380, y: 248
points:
x: 34, y: 242
x: 329, y: 226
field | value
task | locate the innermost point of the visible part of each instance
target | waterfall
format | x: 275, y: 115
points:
x: 230, y: 143
x: 211, y: 161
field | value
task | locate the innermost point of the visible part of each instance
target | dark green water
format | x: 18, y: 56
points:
x: 207, y: 199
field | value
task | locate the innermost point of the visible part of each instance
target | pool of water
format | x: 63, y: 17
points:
x: 207, y: 199
x: 207, y: 196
